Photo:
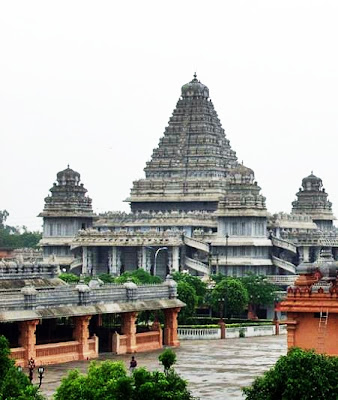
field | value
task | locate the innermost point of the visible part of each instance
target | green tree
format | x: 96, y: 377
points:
x: 298, y: 375
x: 140, y: 276
x: 260, y: 291
x: 69, y: 277
x: 168, y: 359
x: 14, y: 384
x: 187, y: 294
x: 108, y: 380
x: 194, y: 281
x: 230, y: 296
x: 3, y: 217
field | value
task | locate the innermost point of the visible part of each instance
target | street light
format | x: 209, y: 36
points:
x: 41, y: 370
x: 31, y: 366
x: 226, y: 249
x: 155, y: 258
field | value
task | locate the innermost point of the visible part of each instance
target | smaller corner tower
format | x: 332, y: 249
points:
x: 312, y: 200
x: 67, y: 210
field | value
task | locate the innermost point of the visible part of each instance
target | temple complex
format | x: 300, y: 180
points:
x: 197, y: 209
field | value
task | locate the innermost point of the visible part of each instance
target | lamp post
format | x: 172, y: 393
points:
x: 41, y: 371
x: 226, y: 249
x: 155, y: 258
x: 31, y: 366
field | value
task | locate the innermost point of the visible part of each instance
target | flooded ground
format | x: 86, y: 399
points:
x: 215, y: 369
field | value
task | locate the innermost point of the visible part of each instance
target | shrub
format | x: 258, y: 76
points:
x: 298, y: 375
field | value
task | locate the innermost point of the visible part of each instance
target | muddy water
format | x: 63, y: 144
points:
x: 215, y: 369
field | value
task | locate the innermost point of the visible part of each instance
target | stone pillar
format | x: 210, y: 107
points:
x: 170, y: 327
x: 94, y: 257
x: 81, y: 334
x: 139, y: 257
x: 118, y: 260
x: 85, y: 260
x: 89, y: 261
x: 176, y: 259
x: 129, y: 329
x: 110, y: 260
x: 306, y: 255
x: 170, y: 259
x: 149, y: 261
x: 144, y: 258
x: 27, y: 338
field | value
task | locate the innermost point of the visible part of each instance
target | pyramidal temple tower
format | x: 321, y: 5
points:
x: 67, y: 210
x: 188, y: 169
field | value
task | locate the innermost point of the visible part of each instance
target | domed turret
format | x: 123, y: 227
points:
x: 241, y: 174
x: 195, y: 89
x: 68, y: 177
x: 312, y: 183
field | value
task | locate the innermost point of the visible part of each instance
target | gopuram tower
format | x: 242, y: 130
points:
x: 188, y: 169
x: 312, y: 200
x: 197, y: 209
x: 66, y: 211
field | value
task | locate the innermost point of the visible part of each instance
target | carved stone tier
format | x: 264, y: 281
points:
x: 193, y: 157
x: 92, y: 237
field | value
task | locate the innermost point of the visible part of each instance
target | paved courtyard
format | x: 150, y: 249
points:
x: 215, y: 369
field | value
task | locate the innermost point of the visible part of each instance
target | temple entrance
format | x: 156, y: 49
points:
x: 11, y: 331
x: 54, y: 331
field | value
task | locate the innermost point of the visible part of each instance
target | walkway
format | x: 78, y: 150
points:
x: 215, y: 369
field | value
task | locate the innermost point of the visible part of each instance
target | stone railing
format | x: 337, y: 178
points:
x: 74, y: 295
x: 196, y: 265
x: 199, y: 333
x: 284, y: 244
x: 215, y: 333
x: 286, y: 265
x: 13, y: 270
x: 197, y: 244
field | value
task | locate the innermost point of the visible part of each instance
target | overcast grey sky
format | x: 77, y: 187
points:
x: 93, y: 84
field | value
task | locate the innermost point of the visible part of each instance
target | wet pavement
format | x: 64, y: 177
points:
x: 215, y: 369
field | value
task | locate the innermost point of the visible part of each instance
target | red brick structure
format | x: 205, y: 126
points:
x: 312, y: 311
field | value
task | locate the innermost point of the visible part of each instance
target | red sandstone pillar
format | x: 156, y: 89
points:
x: 222, y: 325
x: 81, y: 334
x: 129, y: 329
x: 27, y: 338
x: 291, y: 325
x: 170, y: 327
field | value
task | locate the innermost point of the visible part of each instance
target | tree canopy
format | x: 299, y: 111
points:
x: 16, y: 237
x: 187, y: 294
x: 230, y: 295
x: 14, y: 384
x: 298, y: 375
x: 260, y: 291
x: 194, y: 281
x: 109, y: 380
